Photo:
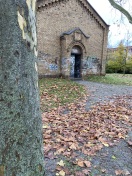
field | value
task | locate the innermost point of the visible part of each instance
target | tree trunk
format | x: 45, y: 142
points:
x: 21, y: 150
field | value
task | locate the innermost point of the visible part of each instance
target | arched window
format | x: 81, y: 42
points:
x: 76, y: 50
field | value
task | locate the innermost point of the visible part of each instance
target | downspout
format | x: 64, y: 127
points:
x: 105, y: 39
x: 102, y: 53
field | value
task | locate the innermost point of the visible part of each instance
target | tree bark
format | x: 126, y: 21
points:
x: 122, y: 10
x: 21, y: 149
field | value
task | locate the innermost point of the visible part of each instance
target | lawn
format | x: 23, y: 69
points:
x: 118, y: 79
x: 55, y: 92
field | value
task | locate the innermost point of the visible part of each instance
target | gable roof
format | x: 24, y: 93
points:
x: 85, y: 3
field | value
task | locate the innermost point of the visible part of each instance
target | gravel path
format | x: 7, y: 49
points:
x: 117, y: 158
x: 103, y: 92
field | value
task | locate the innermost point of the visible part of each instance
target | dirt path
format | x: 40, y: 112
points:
x: 109, y: 161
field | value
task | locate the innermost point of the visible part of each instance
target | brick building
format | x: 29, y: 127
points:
x: 72, y: 39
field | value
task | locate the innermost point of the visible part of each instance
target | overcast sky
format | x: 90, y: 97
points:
x: 112, y: 17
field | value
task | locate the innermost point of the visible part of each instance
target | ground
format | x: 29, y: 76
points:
x: 91, y: 137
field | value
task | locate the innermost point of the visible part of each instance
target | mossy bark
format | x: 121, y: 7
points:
x: 21, y: 149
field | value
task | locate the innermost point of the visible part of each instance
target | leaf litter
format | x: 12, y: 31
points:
x: 87, y: 132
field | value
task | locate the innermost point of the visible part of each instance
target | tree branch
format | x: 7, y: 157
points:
x: 121, y: 9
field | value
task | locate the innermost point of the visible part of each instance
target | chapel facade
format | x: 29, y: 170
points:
x: 72, y: 39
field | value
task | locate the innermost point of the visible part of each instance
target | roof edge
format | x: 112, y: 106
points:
x: 97, y: 13
x: 45, y: 3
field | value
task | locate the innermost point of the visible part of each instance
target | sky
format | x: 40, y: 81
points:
x: 119, y: 27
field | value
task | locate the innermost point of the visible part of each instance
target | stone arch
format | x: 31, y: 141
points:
x: 76, y: 50
x: 81, y: 45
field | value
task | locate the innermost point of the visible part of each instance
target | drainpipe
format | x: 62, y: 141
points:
x: 102, y: 52
x: 104, y: 42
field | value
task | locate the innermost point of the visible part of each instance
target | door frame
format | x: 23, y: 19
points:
x: 80, y: 53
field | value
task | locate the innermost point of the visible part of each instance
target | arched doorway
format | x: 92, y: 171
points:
x: 75, y: 64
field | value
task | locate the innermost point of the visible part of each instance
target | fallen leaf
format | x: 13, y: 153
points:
x: 105, y: 144
x: 61, y: 163
x: 60, y: 150
x: 45, y: 126
x: 85, y: 171
x: 62, y: 173
x: 87, y: 163
x: 113, y: 157
x: 118, y: 172
x: 80, y: 163
x: 64, y: 132
x: 121, y: 136
x: 73, y: 146
x: 58, y: 168
x: 103, y: 170
x: 126, y: 172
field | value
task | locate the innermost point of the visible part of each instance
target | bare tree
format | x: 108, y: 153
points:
x: 118, y: 5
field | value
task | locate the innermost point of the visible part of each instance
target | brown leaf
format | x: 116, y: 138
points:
x: 118, y: 172
x: 58, y: 168
x: 80, y: 163
x: 73, y: 146
x: 87, y: 163
x: 63, y: 133
x: 59, y: 151
x: 121, y: 136
x: 62, y: 173
x: 85, y: 171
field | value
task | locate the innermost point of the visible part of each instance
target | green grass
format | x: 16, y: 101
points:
x: 118, y: 79
x: 55, y: 92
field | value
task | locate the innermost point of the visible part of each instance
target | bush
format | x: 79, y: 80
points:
x: 113, y: 66
x: 129, y: 67
x: 117, y: 62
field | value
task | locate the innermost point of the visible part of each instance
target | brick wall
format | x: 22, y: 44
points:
x: 61, y: 16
